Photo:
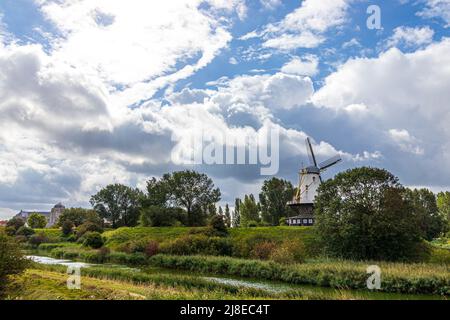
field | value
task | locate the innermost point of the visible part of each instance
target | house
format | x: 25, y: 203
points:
x: 51, y: 216
x: 302, y: 219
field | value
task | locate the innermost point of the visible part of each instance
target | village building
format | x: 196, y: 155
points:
x: 52, y: 216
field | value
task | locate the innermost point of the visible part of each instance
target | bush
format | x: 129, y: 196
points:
x: 25, y: 231
x: 217, y: 223
x: 37, y: 239
x: 12, y: 260
x: 263, y: 250
x: 93, y: 240
x: 197, y: 244
x: 67, y: 227
x: 152, y: 249
x: 244, y: 248
x: 252, y: 224
x: 289, y: 252
x: 88, y: 227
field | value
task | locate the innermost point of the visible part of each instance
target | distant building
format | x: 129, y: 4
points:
x: 51, y: 216
x: 3, y: 223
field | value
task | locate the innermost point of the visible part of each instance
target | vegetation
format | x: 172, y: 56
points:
x: 364, y: 213
x: 36, y: 220
x: 155, y: 216
x: 192, y: 191
x: 118, y: 204
x: 93, y: 240
x: 12, y: 261
x: 275, y: 193
x: 401, y: 278
x: 78, y: 216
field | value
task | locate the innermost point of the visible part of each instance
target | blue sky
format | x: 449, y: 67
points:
x: 95, y: 91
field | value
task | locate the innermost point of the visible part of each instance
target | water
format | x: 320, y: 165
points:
x: 52, y: 261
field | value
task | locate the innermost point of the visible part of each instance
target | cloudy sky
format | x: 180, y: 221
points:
x: 100, y: 91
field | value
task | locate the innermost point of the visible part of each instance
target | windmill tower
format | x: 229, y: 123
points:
x: 309, y: 181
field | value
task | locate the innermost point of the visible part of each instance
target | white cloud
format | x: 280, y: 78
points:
x: 437, y: 9
x: 411, y: 37
x: 306, y: 66
x: 405, y: 141
x: 305, y: 27
x: 270, y: 4
x: 123, y: 53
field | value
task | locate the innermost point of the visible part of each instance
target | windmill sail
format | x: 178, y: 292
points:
x: 330, y: 162
x: 312, y: 157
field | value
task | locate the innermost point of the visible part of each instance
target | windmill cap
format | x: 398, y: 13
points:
x: 312, y: 169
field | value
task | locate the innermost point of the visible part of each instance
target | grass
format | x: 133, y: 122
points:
x: 54, y: 235
x: 396, y: 277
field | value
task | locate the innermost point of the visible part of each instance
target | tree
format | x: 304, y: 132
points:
x: 275, y: 193
x: 37, y: 221
x: 158, y: 193
x: 118, y: 204
x: 78, y: 216
x: 155, y: 216
x: 364, y: 213
x: 189, y: 190
x: 13, y: 225
x: 430, y: 220
x: 227, y: 216
x: 67, y: 227
x: 12, y: 260
x: 443, y: 203
x: 237, y: 213
x: 249, y: 212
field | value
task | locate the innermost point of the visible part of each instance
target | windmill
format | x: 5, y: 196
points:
x: 309, y: 181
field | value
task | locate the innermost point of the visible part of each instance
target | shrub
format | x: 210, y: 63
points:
x: 245, y: 247
x: 88, y: 227
x: 152, y: 248
x: 197, y: 244
x: 12, y: 260
x: 37, y: 239
x: 67, y: 227
x: 289, y: 252
x: 93, y: 240
x: 252, y: 224
x: 10, y: 231
x: 263, y: 250
x: 217, y: 223
x: 25, y: 231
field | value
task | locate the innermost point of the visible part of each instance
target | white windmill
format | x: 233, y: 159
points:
x: 309, y: 181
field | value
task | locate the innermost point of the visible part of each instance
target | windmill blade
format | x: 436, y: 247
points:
x: 330, y: 162
x: 312, y: 157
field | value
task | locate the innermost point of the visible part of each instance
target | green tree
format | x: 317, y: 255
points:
x: 37, y: 221
x: 118, y: 204
x: 275, y: 193
x: 430, y: 220
x: 13, y: 225
x: 249, y: 212
x: 158, y: 193
x: 190, y: 190
x: 237, y: 213
x: 155, y: 216
x: 227, y: 216
x: 78, y: 216
x: 364, y: 213
x: 12, y: 260
x: 443, y: 203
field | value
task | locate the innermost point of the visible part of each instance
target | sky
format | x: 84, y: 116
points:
x: 94, y: 92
